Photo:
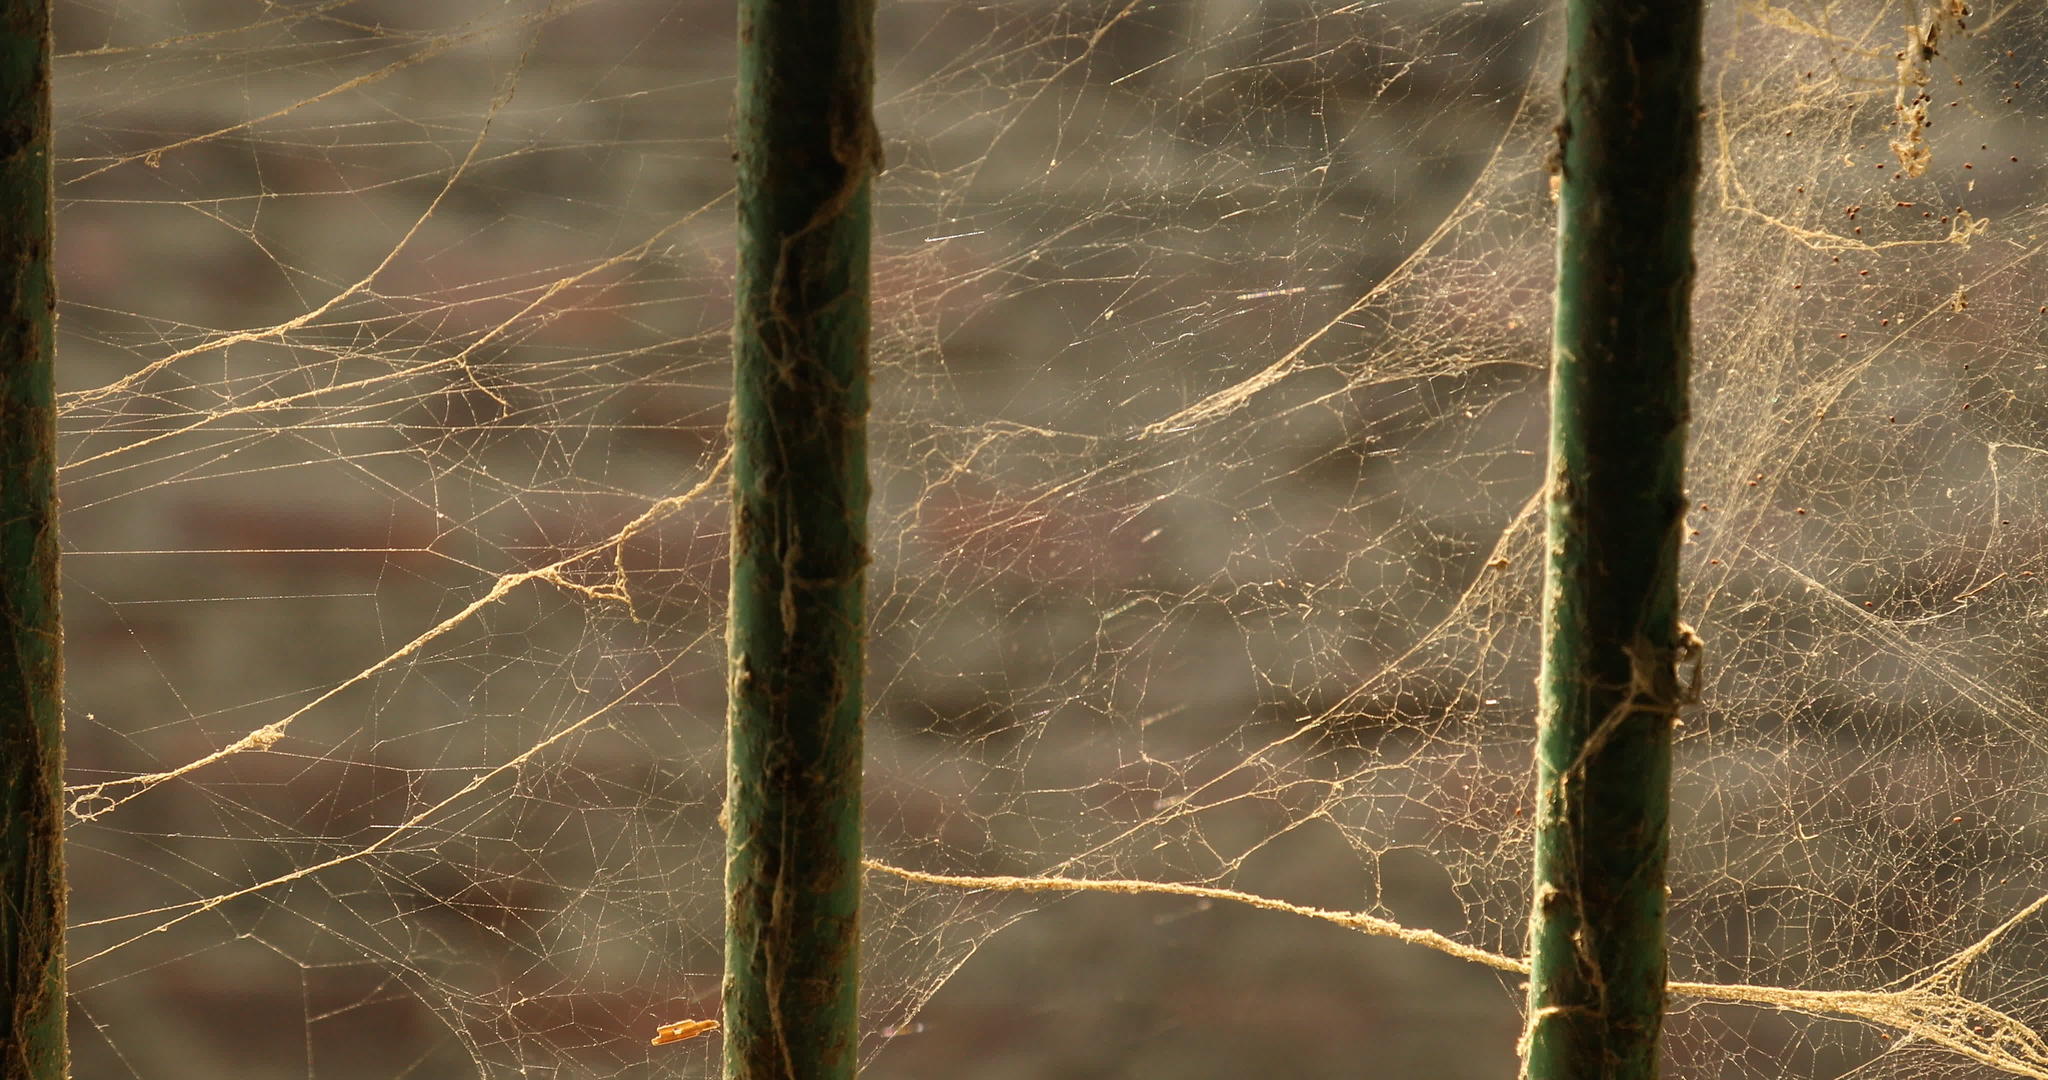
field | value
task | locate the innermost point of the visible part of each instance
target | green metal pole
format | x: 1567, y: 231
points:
x: 31, y: 663
x: 1612, y: 642
x: 807, y: 152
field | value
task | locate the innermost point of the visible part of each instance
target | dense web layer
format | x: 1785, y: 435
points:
x: 1210, y: 355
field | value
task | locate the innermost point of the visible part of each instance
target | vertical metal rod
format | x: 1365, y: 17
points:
x: 807, y: 152
x: 1612, y: 643
x: 32, y: 1042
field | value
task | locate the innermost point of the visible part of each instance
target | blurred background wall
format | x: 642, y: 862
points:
x: 1210, y: 354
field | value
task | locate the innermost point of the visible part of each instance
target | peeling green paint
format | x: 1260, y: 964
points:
x: 1612, y: 643
x: 31, y: 667
x: 807, y: 152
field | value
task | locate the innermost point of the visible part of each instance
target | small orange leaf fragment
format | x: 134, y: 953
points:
x: 682, y: 1029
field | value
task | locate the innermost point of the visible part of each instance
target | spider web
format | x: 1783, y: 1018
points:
x: 1210, y: 351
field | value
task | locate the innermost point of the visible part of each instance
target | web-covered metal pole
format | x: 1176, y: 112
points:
x: 807, y: 151
x: 1612, y: 642
x: 32, y: 1043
